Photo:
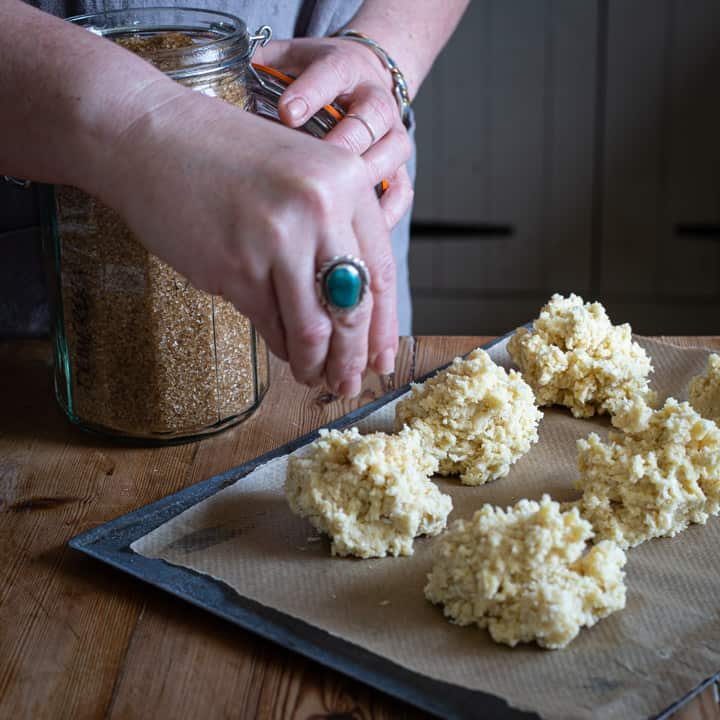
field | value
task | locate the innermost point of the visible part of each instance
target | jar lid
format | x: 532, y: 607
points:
x: 212, y: 40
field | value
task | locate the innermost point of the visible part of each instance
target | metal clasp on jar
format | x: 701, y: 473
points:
x: 261, y: 37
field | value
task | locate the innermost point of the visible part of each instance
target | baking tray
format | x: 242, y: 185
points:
x: 110, y: 543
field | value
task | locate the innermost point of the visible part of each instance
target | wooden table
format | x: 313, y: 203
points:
x: 81, y: 640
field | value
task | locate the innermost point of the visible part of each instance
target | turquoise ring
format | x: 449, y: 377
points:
x: 342, y: 283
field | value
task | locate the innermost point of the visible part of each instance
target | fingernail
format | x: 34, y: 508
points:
x: 385, y: 362
x: 297, y: 109
x: 350, y: 388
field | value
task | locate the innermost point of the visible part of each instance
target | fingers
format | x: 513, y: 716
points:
x: 398, y: 197
x: 371, y: 115
x: 386, y: 157
x: 275, y: 54
x: 269, y: 324
x: 307, y: 326
x: 261, y: 297
x: 273, y: 333
x: 375, y: 249
x: 348, y: 356
x: 323, y: 80
x: 348, y: 351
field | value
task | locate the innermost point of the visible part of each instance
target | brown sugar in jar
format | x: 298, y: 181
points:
x: 139, y: 352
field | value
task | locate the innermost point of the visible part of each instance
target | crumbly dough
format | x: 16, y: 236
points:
x: 705, y: 390
x: 522, y: 574
x: 576, y: 357
x: 474, y: 416
x: 631, y: 414
x: 370, y: 493
x: 651, y: 483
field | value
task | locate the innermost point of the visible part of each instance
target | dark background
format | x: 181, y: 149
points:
x: 571, y: 146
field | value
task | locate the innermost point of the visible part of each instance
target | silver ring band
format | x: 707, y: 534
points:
x: 342, y: 283
x: 355, y: 116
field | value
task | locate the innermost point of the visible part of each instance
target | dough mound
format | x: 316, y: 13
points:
x: 475, y: 417
x: 651, y: 483
x: 576, y: 357
x: 522, y: 574
x: 705, y: 390
x: 370, y: 493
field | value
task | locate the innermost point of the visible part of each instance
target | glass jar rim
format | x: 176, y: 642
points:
x: 230, y: 46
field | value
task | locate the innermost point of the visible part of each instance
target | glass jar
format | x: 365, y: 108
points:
x: 139, y: 352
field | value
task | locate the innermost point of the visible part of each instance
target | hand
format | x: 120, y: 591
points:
x: 329, y: 69
x: 249, y: 209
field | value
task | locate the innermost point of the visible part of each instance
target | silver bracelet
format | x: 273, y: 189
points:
x: 400, y: 88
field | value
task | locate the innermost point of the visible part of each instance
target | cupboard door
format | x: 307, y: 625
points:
x: 505, y: 141
x: 689, y: 254
x: 661, y: 175
x: 631, y: 143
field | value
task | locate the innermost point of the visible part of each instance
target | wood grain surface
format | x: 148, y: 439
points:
x: 81, y: 640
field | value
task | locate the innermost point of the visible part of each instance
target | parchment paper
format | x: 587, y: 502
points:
x: 633, y: 664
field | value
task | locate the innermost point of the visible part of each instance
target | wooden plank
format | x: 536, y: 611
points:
x: 633, y: 141
x: 434, y: 352
x: 64, y: 633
